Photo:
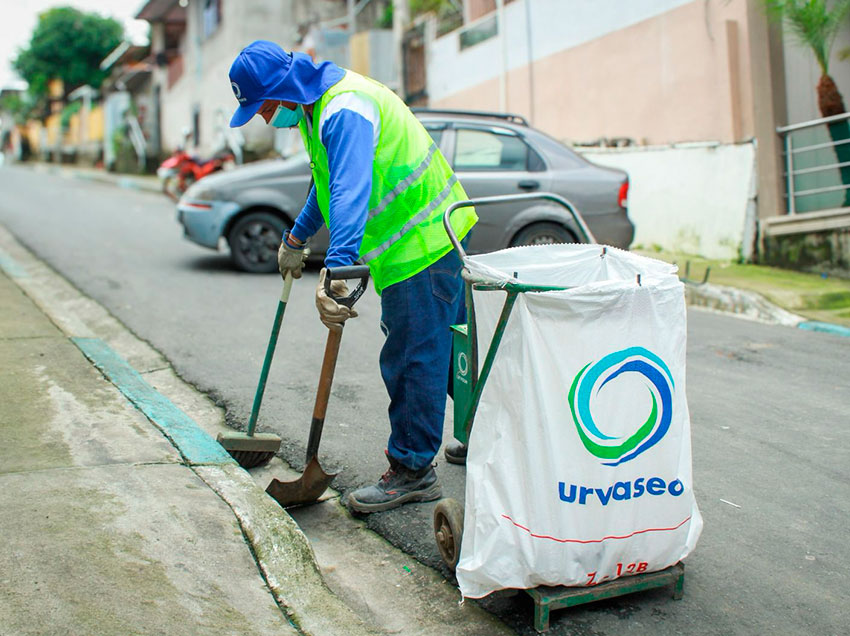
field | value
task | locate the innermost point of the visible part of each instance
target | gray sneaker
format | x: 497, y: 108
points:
x: 399, y: 485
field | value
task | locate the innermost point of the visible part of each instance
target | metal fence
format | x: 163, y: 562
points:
x: 817, y: 164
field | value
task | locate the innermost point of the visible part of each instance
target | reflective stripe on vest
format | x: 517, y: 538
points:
x: 401, y: 187
x: 416, y: 220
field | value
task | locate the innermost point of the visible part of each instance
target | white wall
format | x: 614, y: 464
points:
x: 555, y: 25
x: 695, y: 198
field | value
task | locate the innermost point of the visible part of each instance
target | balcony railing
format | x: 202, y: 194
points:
x: 817, y: 164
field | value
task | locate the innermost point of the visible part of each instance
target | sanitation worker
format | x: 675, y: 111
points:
x: 381, y: 186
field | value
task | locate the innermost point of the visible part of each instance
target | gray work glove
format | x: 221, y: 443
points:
x: 331, y: 313
x: 291, y: 259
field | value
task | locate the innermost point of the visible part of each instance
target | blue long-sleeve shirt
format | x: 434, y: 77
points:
x: 349, y: 130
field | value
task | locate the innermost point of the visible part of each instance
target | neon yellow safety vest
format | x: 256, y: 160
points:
x: 412, y: 185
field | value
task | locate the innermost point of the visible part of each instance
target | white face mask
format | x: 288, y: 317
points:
x: 285, y: 118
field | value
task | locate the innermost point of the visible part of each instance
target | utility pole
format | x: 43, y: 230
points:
x: 401, y: 18
x: 529, y: 41
x: 503, y: 38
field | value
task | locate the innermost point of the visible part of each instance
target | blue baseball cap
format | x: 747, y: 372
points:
x: 263, y: 70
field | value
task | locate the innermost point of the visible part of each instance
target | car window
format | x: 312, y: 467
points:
x: 436, y: 132
x: 484, y: 150
x: 553, y: 148
x: 535, y: 161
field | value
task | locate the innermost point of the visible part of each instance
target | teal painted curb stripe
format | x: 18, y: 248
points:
x: 196, y: 446
x: 825, y: 327
x: 12, y: 268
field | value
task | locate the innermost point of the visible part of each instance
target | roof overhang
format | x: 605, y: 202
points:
x: 162, y: 11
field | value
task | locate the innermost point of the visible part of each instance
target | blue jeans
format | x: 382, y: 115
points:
x: 415, y: 317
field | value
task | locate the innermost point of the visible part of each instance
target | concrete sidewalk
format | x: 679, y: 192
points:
x: 122, y: 515
x: 110, y: 527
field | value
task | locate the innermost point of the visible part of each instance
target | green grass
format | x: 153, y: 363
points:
x: 813, y: 296
x: 831, y: 300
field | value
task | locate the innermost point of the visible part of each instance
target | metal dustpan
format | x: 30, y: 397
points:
x: 314, y: 480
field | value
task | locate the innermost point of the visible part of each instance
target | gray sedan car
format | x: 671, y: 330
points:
x: 492, y: 154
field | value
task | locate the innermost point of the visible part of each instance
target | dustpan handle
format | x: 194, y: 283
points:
x: 323, y: 394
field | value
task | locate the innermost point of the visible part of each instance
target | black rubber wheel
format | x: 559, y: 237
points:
x: 254, y: 240
x: 543, y: 233
x: 448, y: 530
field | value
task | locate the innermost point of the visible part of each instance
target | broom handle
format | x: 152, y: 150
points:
x: 267, y: 363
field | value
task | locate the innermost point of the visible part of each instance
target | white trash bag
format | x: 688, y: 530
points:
x: 579, y: 464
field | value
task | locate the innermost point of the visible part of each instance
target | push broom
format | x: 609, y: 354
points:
x: 252, y: 449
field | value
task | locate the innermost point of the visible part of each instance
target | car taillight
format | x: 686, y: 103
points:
x: 623, y: 195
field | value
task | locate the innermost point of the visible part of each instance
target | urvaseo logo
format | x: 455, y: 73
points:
x: 237, y: 91
x: 614, y: 450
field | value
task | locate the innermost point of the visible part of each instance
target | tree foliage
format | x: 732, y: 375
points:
x: 16, y: 105
x: 445, y: 10
x: 418, y: 7
x: 67, y: 44
x: 814, y: 22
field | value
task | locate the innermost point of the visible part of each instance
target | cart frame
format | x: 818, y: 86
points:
x: 463, y: 425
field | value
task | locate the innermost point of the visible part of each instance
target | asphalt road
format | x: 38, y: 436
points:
x: 768, y: 408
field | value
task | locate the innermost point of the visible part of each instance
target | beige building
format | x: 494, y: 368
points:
x: 702, y: 84
x: 642, y: 73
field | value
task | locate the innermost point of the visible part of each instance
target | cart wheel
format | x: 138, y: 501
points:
x: 448, y: 530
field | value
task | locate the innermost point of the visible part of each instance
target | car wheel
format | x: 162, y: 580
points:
x: 254, y: 240
x: 543, y: 234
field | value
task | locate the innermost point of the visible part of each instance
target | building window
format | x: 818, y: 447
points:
x: 210, y: 17
x: 478, y: 32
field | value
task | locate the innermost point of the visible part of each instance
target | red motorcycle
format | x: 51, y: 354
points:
x: 181, y: 170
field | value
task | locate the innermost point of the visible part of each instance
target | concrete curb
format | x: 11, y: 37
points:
x: 282, y: 552
x: 745, y: 304
x: 284, y: 556
x: 123, y: 181
x: 753, y: 306
x: 825, y: 327
x: 132, y: 182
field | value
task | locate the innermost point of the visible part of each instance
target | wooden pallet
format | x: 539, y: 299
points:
x: 547, y: 599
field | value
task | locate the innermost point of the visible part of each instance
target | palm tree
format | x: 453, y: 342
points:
x: 816, y: 23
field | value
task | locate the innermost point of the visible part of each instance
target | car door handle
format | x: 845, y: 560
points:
x: 528, y: 184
